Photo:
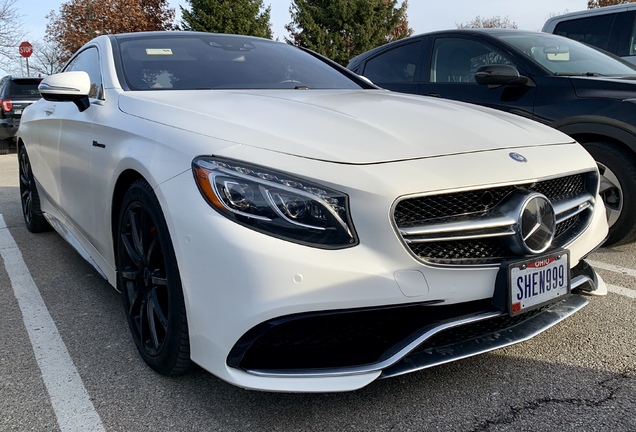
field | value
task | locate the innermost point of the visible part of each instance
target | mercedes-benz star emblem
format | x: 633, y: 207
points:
x: 536, y: 222
x: 518, y: 157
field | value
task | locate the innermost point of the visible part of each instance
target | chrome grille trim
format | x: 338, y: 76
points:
x: 495, y: 223
x: 567, y: 209
x: 427, y: 232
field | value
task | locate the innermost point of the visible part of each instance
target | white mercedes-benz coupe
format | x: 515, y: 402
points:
x: 287, y: 226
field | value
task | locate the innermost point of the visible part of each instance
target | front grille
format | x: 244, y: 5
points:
x: 486, y: 248
x: 460, y: 250
x: 415, y: 211
x: 562, y: 188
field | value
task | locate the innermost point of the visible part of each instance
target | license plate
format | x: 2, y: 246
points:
x: 538, y: 281
x: 17, y: 111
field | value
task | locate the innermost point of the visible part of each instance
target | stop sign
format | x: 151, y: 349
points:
x: 26, y: 49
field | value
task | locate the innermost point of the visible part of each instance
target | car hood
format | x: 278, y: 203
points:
x: 344, y: 126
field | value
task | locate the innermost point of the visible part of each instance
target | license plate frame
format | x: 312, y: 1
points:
x: 538, y: 281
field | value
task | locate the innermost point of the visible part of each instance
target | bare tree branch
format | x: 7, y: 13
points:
x: 46, y: 59
x: 11, y: 34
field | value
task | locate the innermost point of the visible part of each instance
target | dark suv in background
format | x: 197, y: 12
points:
x: 611, y: 28
x: 15, y: 95
x: 577, y: 89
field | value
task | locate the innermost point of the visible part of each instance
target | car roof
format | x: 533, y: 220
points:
x: 552, y: 22
x: 177, y: 34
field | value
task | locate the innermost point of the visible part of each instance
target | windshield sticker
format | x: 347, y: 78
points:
x: 158, y: 51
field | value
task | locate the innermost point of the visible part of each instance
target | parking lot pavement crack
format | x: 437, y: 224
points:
x: 513, y: 413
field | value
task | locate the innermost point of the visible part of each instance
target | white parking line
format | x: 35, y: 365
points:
x: 612, y: 267
x: 71, y: 403
x: 616, y: 269
x: 622, y: 291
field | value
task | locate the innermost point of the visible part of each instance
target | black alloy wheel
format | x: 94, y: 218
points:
x: 149, y: 280
x: 33, y: 216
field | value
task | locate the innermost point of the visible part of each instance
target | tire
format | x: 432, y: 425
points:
x: 618, y: 190
x: 31, y: 211
x: 149, y: 279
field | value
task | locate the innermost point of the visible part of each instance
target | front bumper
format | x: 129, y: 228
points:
x: 479, y: 333
x: 396, y: 339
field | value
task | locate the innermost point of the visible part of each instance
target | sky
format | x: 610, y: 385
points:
x: 424, y: 15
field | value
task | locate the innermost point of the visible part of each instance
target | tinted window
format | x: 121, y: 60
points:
x: 593, y: 30
x: 399, y: 65
x: 88, y: 61
x: 456, y: 59
x: 623, y: 33
x: 24, y: 87
x: 218, y: 62
x: 563, y: 56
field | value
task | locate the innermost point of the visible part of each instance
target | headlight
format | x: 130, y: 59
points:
x: 275, y: 203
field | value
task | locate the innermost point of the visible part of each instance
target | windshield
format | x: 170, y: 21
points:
x: 563, y: 56
x: 202, y: 61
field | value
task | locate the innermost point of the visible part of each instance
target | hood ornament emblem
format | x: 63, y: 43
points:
x: 518, y: 157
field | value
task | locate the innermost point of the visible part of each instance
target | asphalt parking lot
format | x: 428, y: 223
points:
x: 78, y: 369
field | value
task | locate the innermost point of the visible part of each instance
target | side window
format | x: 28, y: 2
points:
x: 593, y: 30
x: 399, y: 65
x: 456, y: 59
x: 624, y: 31
x: 632, y: 41
x: 88, y: 61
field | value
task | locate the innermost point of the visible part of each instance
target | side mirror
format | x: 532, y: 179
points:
x: 501, y: 75
x: 67, y: 87
x: 365, y: 79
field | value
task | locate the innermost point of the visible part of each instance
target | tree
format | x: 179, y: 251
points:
x: 342, y: 29
x: 494, y: 22
x: 593, y: 4
x: 11, y: 34
x: 402, y: 29
x: 46, y: 58
x: 81, y: 20
x: 246, y: 17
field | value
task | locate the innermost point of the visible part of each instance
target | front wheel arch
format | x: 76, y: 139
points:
x: 617, y: 166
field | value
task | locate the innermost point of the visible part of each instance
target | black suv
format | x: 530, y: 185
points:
x: 611, y: 28
x: 15, y: 95
x: 586, y: 93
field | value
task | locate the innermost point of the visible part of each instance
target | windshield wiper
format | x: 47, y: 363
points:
x: 589, y: 74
